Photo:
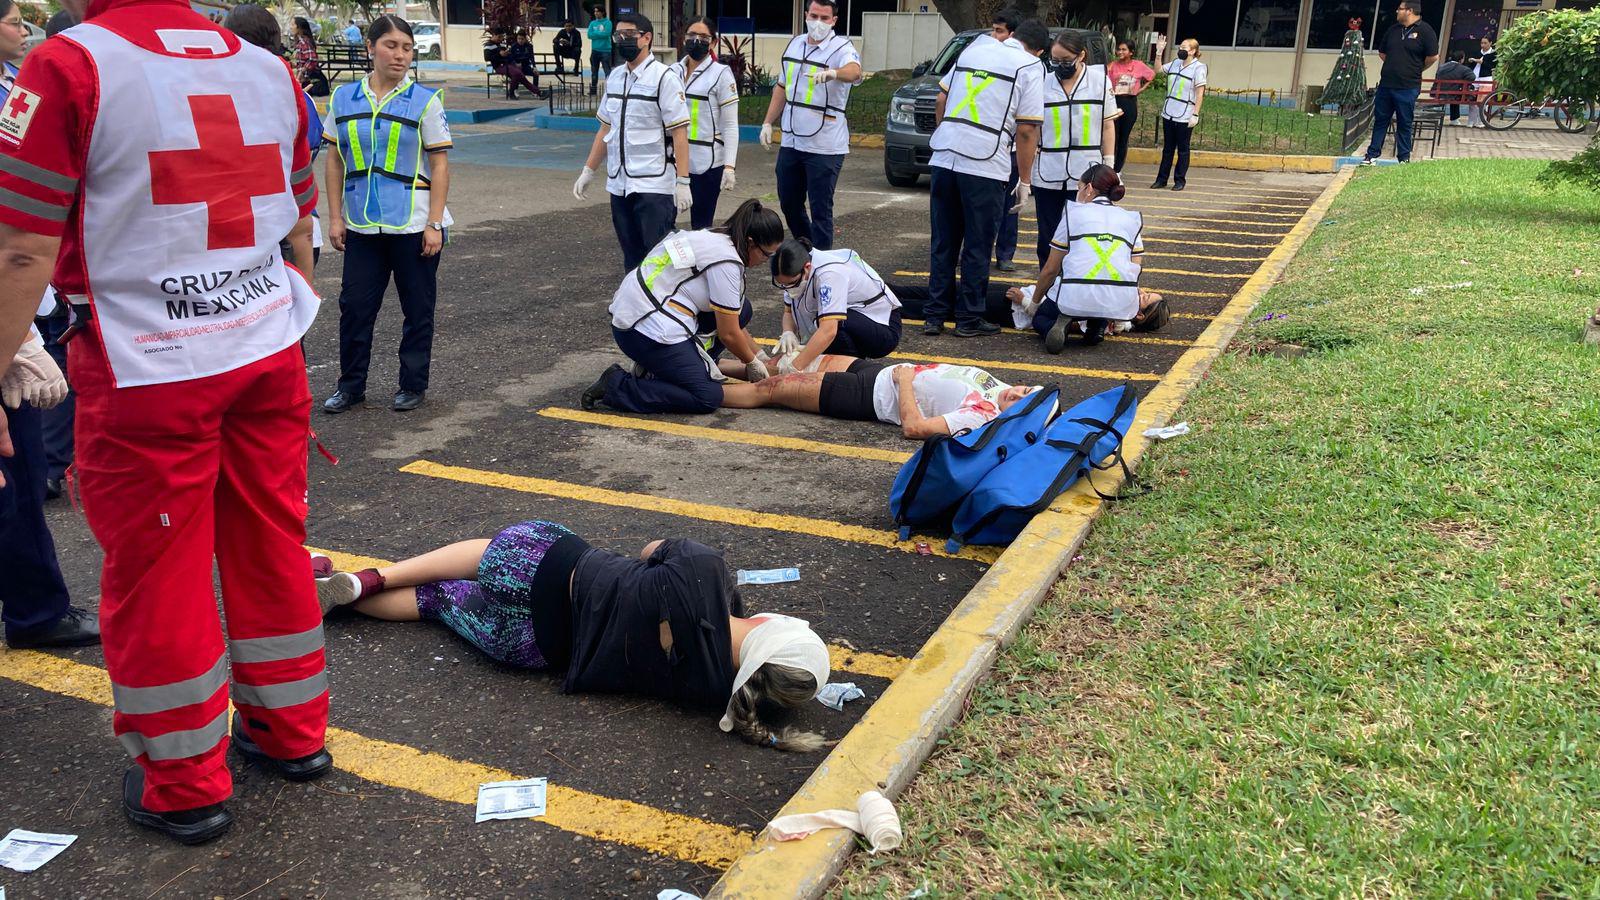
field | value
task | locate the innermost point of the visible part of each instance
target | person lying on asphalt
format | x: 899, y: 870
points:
x: 537, y: 596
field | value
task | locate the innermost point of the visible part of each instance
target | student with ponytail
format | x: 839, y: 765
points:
x: 537, y: 596
x: 1093, y: 269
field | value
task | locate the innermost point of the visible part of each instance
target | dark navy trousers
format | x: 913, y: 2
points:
x: 58, y: 419
x: 965, y: 213
x: 32, y: 591
x: 804, y: 176
x: 675, y: 379
x: 1051, y: 206
x: 641, y: 222
x: 860, y: 336
x: 705, y: 189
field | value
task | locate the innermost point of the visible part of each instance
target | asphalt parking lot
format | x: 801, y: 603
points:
x: 643, y: 796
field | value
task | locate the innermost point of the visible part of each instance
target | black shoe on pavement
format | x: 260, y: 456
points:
x: 1157, y: 185
x: 979, y: 329
x: 306, y: 768
x: 406, y: 401
x: 1005, y: 265
x: 1056, y: 338
x: 186, y: 826
x: 53, y: 487
x: 1094, y: 332
x: 339, y: 402
x: 1367, y: 161
x: 1177, y: 185
x: 595, y: 393
x: 932, y: 329
x: 75, y: 628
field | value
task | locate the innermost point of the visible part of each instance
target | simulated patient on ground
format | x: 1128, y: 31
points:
x: 537, y: 596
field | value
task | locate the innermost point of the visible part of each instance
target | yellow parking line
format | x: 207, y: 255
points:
x: 1207, y: 295
x: 1201, y: 209
x: 1192, y: 316
x: 1152, y: 270
x: 1230, y: 195
x: 1151, y: 240
x: 1157, y: 255
x: 1125, y: 338
x: 443, y: 778
x: 1168, y: 229
x: 729, y: 436
x: 847, y: 659
x: 1003, y: 279
x: 1073, y: 371
x: 722, y: 515
x: 1223, y: 220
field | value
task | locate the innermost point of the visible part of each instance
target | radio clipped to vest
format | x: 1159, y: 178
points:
x: 807, y: 106
x: 381, y: 144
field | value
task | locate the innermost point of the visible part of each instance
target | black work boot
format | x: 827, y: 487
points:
x: 186, y: 826
x: 306, y: 768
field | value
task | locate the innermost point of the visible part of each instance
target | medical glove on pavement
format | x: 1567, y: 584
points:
x: 728, y: 179
x: 755, y: 370
x: 766, y: 135
x: 682, y: 197
x: 1021, y: 195
x: 32, y: 377
x: 789, y: 343
x: 580, y: 188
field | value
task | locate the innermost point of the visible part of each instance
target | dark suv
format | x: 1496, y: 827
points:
x: 911, y: 121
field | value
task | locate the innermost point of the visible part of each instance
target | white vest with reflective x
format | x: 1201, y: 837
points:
x: 1099, y: 278
x: 978, y: 118
x: 706, y: 139
x: 656, y: 299
x: 1070, y: 140
x: 806, y: 104
x: 1180, y: 90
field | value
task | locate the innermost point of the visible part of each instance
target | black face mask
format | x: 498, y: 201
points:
x: 627, y: 48
x: 698, y: 50
x: 1065, y: 70
x: 1183, y: 52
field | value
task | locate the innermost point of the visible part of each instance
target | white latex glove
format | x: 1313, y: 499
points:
x: 788, y: 343
x: 755, y: 370
x: 766, y: 135
x: 825, y: 76
x: 1194, y: 120
x: 1108, y: 159
x: 682, y: 196
x: 786, y: 365
x: 728, y: 178
x: 580, y: 188
x: 1021, y: 195
x: 33, y: 377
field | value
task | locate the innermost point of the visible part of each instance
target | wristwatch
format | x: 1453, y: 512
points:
x: 437, y: 226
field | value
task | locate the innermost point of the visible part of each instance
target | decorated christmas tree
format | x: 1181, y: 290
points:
x: 1347, y: 86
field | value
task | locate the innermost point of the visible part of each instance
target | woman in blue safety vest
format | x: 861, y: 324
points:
x: 1093, y: 270
x: 1180, y: 113
x: 676, y: 312
x: 835, y: 303
x: 386, y: 210
x: 1079, y: 130
x: 713, y: 100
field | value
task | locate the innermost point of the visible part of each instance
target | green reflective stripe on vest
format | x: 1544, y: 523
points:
x: 1061, y: 133
x: 391, y: 156
x: 812, y: 90
x: 971, y: 98
x: 1088, y: 126
x: 360, y: 160
x: 694, y: 119
x: 1103, y: 251
x: 660, y: 262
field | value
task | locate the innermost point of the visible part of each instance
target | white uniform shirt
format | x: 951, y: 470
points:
x: 708, y: 92
x: 1026, y: 106
x: 642, y: 105
x: 1184, y: 77
x: 1067, y: 122
x: 840, y: 281
x: 435, y: 134
x: 799, y: 125
x: 720, y: 286
x: 966, y: 397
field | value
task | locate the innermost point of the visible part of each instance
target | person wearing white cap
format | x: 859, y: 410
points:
x: 538, y: 596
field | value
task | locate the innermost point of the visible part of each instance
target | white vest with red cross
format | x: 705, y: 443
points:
x: 186, y: 195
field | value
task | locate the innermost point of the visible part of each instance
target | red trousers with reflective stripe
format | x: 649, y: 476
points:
x: 172, y: 477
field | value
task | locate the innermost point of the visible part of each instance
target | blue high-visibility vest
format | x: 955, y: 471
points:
x: 381, y: 144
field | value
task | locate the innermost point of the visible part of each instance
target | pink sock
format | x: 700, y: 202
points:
x: 371, y: 582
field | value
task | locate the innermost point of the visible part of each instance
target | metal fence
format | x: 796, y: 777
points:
x: 1357, y: 125
x: 1257, y: 121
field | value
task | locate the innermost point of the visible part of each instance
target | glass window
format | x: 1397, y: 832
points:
x: 465, y: 12
x: 1208, y: 21
x: 1267, y: 23
x: 1330, y: 20
x: 772, y: 17
x: 1432, y: 13
x: 947, y: 57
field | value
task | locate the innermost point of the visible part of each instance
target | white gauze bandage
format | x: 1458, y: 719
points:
x: 874, y: 818
x: 782, y: 640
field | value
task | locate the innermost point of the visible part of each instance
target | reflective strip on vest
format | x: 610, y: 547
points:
x: 358, y: 160
x: 280, y: 696
x: 140, y: 701
x: 970, y: 100
x: 1088, y: 127
x: 661, y: 262
x: 273, y: 649
x: 1059, y: 134
x: 176, y: 744
x: 1103, y: 253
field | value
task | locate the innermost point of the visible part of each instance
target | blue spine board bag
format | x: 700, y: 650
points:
x: 1008, y: 497
x: 933, y: 481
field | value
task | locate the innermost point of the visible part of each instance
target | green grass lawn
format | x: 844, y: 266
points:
x: 1349, y: 645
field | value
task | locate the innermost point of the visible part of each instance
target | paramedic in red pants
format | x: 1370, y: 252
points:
x: 165, y: 161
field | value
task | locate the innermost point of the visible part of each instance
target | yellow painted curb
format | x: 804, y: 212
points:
x: 1249, y: 162
x: 889, y: 744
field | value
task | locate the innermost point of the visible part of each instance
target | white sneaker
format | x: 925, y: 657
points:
x: 338, y: 589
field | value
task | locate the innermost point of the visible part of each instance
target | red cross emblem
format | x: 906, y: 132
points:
x: 224, y: 173
x: 19, y: 104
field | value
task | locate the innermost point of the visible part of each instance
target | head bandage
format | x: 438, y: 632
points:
x: 784, y: 641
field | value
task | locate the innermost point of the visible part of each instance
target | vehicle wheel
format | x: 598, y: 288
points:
x: 1572, y: 116
x: 900, y: 179
x: 1501, y: 110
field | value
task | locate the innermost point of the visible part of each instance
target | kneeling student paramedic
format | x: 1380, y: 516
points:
x: 644, y: 103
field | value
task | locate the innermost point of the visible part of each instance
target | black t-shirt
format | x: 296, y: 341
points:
x: 619, y: 604
x: 1406, y: 49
